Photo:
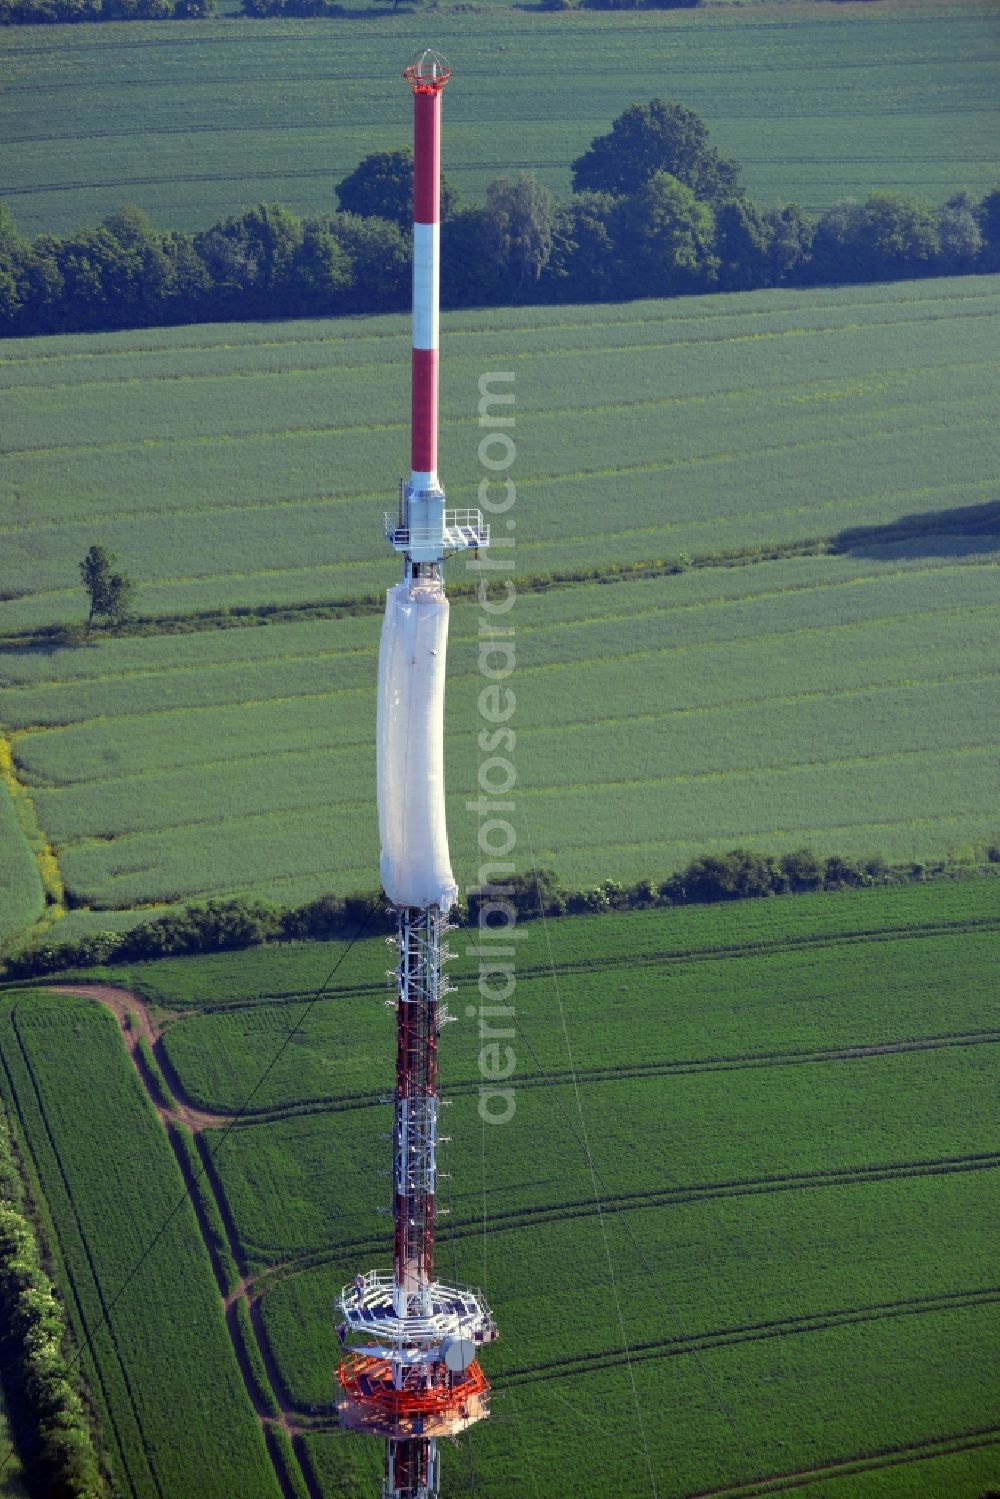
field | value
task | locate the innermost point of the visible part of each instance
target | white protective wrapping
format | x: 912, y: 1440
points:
x: 416, y: 866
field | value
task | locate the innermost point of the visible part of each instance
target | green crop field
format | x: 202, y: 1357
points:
x: 195, y: 120
x: 790, y: 1273
x: 842, y: 700
x: 175, y: 1416
x: 329, y: 1064
x: 252, y: 463
x: 847, y: 704
x: 851, y: 705
x: 793, y: 1145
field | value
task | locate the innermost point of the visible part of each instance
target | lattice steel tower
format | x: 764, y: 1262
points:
x: 409, y: 1371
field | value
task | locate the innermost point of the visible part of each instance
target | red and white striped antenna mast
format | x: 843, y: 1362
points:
x: 427, y: 76
x: 409, y: 1371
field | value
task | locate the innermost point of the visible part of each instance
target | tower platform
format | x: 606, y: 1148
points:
x: 456, y: 531
x: 434, y: 1315
x: 415, y: 1374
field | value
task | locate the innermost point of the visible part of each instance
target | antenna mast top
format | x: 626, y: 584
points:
x: 428, y: 72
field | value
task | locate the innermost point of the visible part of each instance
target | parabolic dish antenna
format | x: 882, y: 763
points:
x: 458, y: 1353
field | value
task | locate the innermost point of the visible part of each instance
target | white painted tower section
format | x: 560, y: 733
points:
x: 416, y: 866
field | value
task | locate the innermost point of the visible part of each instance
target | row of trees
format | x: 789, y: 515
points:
x: 258, y: 8
x: 656, y: 211
x: 28, y: 12
x: 53, y: 1430
x: 53, y: 12
x: 217, y: 925
x: 739, y: 874
x: 264, y: 263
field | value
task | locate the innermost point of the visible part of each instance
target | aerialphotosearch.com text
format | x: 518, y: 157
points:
x: 497, y: 929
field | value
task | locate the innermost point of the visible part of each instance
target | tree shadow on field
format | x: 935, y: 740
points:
x: 966, y: 531
x: 48, y: 643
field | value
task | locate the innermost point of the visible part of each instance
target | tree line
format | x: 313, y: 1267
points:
x: 655, y: 212
x: 227, y: 924
x: 62, y: 12
x: 332, y: 8
x: 50, y: 12
x: 41, y: 1384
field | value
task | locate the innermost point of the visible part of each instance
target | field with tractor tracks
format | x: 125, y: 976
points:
x: 746, y: 1198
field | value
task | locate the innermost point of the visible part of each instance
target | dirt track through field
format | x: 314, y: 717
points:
x: 136, y: 1025
x: 134, y: 1020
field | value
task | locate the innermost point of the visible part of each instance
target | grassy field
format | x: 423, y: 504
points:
x: 843, y: 700
x: 773, y: 1265
x: 242, y: 464
x: 789, y: 1105
x: 197, y: 120
x: 848, y: 704
x: 175, y: 1416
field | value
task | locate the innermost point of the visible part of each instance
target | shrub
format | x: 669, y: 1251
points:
x: 842, y: 874
x: 802, y: 870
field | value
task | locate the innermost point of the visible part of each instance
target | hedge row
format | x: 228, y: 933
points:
x: 219, y: 925
x: 55, y: 1437
x: 70, y: 12
x: 979, y: 520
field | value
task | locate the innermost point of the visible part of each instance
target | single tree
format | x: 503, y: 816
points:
x: 520, y: 217
x: 802, y: 869
x: 325, y: 271
x: 139, y: 282
x: 742, y: 245
x: 15, y: 255
x: 988, y: 216
x: 379, y: 254
x: 960, y: 235
x: 381, y: 187
x: 583, y: 266
x: 650, y: 138
x: 189, y: 283
x: 790, y: 247
x: 899, y: 236
x: 111, y: 594
x: 251, y: 259
x: 469, y: 272
x: 666, y: 240
x: 837, y: 253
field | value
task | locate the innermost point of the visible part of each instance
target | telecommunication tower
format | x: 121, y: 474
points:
x: 409, y: 1370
